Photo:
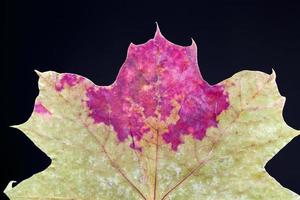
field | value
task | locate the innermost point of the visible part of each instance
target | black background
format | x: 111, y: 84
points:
x: 91, y: 39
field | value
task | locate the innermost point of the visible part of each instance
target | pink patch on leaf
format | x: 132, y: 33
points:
x: 41, y: 109
x: 153, y: 75
x: 69, y: 80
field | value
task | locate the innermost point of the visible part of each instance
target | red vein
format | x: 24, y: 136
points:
x: 126, y: 178
x: 137, y: 154
x: 186, y: 176
x: 156, y: 163
x: 113, y: 164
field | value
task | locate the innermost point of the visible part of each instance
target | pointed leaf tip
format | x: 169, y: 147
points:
x: 273, y: 72
x: 38, y: 72
x: 158, y: 32
x: 193, y: 41
x: 9, y: 186
x: 194, y: 45
x: 13, y: 126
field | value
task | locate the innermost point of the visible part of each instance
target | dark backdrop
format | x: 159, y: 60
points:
x: 91, y: 39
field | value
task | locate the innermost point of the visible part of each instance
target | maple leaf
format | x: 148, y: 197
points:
x: 158, y: 132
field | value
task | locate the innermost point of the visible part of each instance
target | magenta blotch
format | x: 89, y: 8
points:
x: 41, y: 109
x: 153, y: 75
x: 69, y: 80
